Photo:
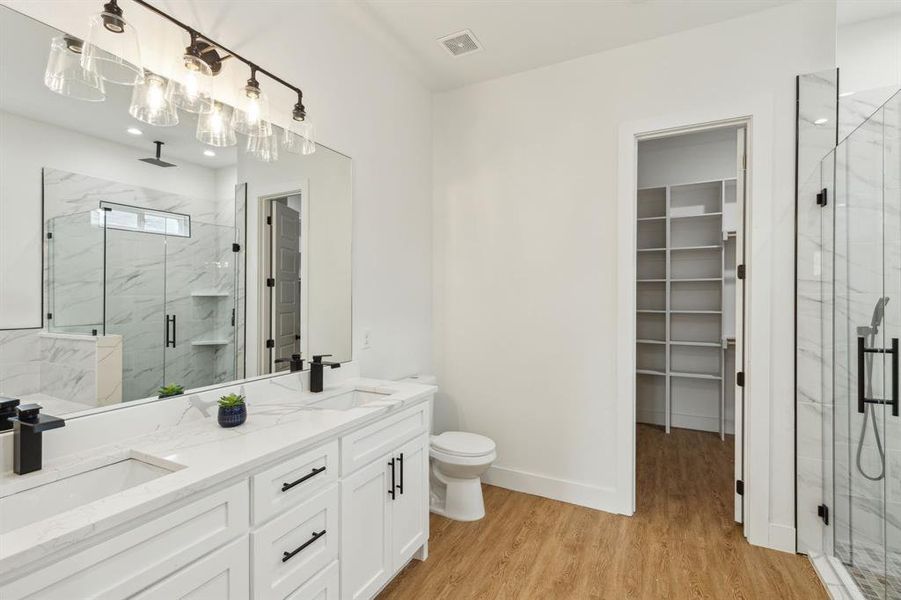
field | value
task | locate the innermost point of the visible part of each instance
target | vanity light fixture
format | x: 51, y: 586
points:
x: 150, y: 104
x: 112, y: 51
x: 215, y: 128
x: 299, y: 137
x: 263, y: 147
x: 194, y: 93
x: 134, y: 131
x: 251, y: 116
x: 65, y: 75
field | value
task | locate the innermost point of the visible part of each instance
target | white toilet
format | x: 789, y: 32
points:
x: 458, y: 461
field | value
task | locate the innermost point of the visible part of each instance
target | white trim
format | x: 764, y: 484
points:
x: 757, y: 112
x: 573, y: 492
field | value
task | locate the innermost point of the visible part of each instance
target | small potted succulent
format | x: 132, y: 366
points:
x: 173, y: 389
x: 232, y: 410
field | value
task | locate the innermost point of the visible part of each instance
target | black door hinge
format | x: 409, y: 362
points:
x: 740, y: 379
x: 49, y: 316
x: 270, y: 343
x: 823, y: 513
x: 49, y: 235
x: 740, y: 272
x: 268, y: 220
x: 270, y: 282
x: 822, y: 197
x: 236, y: 247
x: 740, y: 487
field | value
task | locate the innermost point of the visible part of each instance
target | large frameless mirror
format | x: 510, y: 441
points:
x: 146, y: 243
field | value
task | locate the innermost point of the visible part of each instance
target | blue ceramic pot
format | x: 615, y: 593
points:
x: 232, y: 416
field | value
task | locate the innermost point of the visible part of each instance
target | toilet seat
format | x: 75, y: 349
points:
x: 462, y: 444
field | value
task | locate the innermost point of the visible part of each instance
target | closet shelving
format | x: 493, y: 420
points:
x: 683, y: 232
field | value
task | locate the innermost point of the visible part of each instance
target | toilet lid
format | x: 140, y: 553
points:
x: 462, y: 443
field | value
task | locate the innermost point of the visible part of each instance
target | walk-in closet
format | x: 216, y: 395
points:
x: 689, y: 221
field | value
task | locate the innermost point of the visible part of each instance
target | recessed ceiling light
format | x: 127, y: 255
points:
x: 821, y: 121
x: 845, y: 94
x: 134, y: 131
x: 209, y: 153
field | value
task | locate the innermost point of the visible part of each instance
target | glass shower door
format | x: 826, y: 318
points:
x: 865, y: 308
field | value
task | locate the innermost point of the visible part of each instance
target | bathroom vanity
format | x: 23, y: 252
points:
x: 316, y: 496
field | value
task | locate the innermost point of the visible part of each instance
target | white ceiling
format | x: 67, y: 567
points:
x: 849, y: 12
x: 518, y: 35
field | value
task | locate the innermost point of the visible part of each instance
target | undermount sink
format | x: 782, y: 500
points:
x: 349, y: 399
x: 44, y: 501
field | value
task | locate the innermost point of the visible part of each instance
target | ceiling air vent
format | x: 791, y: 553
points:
x: 460, y: 43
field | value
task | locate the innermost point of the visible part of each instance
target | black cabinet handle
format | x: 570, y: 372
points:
x: 313, y: 473
x: 289, y: 555
x: 174, y: 334
x: 862, y: 400
x: 391, y: 489
x: 400, y: 459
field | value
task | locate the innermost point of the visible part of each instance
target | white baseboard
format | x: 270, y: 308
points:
x: 573, y: 492
x: 684, y: 421
x: 782, y: 537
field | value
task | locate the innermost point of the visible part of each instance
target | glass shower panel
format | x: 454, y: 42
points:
x: 860, y: 374
x: 135, y: 293
x: 200, y: 302
x: 75, y: 273
x: 892, y: 331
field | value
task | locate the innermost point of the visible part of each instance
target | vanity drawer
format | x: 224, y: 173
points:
x: 126, y: 564
x: 321, y: 586
x: 293, y: 480
x: 359, y: 448
x: 220, y: 575
x: 293, y: 546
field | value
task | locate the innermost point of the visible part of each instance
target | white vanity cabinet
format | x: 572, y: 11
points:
x: 337, y: 520
x: 384, y: 511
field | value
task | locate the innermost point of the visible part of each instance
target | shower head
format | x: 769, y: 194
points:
x: 878, y: 313
x: 157, y: 160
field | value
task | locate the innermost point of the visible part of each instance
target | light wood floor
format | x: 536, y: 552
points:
x: 681, y: 542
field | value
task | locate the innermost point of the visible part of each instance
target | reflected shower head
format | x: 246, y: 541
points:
x: 157, y: 160
x: 878, y: 313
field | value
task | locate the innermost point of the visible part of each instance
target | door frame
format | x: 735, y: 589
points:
x: 264, y: 266
x: 756, y: 114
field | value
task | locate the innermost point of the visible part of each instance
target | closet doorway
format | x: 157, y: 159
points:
x: 689, y: 301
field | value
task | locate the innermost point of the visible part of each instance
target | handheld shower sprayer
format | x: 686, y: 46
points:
x: 870, y: 333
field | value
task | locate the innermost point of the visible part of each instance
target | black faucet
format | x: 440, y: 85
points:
x: 295, y: 360
x: 7, y: 410
x: 316, y: 368
x: 29, y: 424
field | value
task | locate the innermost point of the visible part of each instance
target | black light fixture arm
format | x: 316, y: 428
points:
x: 194, y: 33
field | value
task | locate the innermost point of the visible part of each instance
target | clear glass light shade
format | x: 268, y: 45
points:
x: 149, y: 103
x: 65, y: 75
x: 215, y: 128
x: 263, y: 147
x: 251, y: 116
x: 112, y: 51
x: 300, y: 138
x: 193, y: 89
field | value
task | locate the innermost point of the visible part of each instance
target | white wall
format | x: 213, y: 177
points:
x: 363, y: 105
x: 525, y: 261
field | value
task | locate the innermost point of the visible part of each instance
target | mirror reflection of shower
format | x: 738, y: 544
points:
x: 869, y: 333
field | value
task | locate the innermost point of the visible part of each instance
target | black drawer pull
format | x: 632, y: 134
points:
x: 391, y: 490
x: 289, y: 555
x: 313, y: 473
x: 400, y: 460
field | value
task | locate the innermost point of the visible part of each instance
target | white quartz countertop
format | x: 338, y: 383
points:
x: 280, y: 423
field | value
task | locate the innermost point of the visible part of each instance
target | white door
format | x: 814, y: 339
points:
x: 410, y: 508
x: 366, y: 530
x: 740, y: 194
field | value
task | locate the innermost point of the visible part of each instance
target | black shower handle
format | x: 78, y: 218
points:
x: 862, y: 399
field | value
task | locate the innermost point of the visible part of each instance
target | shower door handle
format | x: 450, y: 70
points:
x: 862, y: 399
x: 170, y: 340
